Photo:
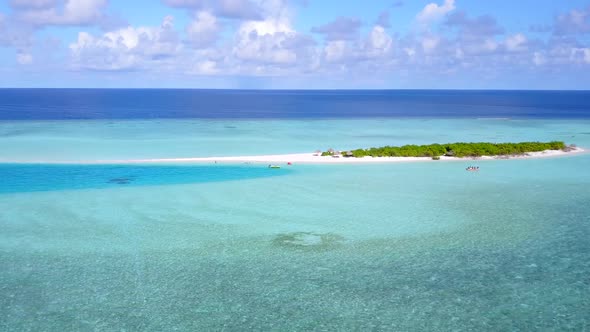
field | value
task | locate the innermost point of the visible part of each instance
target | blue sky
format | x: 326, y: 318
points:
x: 301, y: 44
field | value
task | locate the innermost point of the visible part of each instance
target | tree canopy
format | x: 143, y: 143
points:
x: 456, y: 149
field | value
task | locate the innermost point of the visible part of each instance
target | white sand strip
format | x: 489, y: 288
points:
x: 300, y: 158
x: 310, y: 158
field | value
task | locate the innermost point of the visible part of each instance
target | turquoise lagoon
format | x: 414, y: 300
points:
x: 75, y: 140
x: 405, y: 247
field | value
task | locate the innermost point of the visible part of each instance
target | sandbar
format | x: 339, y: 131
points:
x: 313, y: 158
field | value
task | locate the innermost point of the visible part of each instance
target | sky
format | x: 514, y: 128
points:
x: 296, y: 44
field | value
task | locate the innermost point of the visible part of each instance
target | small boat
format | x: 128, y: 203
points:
x: 274, y: 166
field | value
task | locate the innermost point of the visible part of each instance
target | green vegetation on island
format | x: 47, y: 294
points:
x: 453, y: 150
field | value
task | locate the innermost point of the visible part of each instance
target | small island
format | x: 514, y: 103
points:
x: 406, y: 153
x: 457, y: 150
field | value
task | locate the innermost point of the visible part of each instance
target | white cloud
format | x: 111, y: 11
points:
x: 82, y: 11
x: 233, y: 9
x: 269, y: 26
x: 226, y: 38
x: 539, y: 59
x: 271, y: 46
x: 264, y: 41
x: 580, y: 55
x: 75, y: 12
x: 336, y: 51
x: 490, y: 45
x: 433, y: 11
x: 127, y: 48
x: 562, y: 54
x: 342, y: 28
x: 429, y: 43
x: 376, y: 46
x: 576, y: 21
x: 203, y: 30
x: 32, y: 3
x: 206, y: 67
x: 13, y: 34
x: 24, y: 58
x: 410, y: 51
x: 516, y: 43
x: 27, y: 16
x: 379, y: 40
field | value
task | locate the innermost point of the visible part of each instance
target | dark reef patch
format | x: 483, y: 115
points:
x: 120, y: 180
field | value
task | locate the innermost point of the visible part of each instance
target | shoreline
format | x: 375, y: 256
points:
x: 308, y: 158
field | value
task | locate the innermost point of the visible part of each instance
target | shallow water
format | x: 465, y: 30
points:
x: 49, y: 141
x: 19, y: 178
x: 406, y: 246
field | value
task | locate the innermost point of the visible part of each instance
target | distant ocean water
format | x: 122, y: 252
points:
x: 402, y: 247
x: 56, y: 104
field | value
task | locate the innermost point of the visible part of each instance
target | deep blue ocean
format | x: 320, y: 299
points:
x: 55, y: 104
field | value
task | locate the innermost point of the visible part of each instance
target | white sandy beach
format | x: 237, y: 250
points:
x: 311, y: 158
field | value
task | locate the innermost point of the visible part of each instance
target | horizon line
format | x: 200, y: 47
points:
x: 289, y: 89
